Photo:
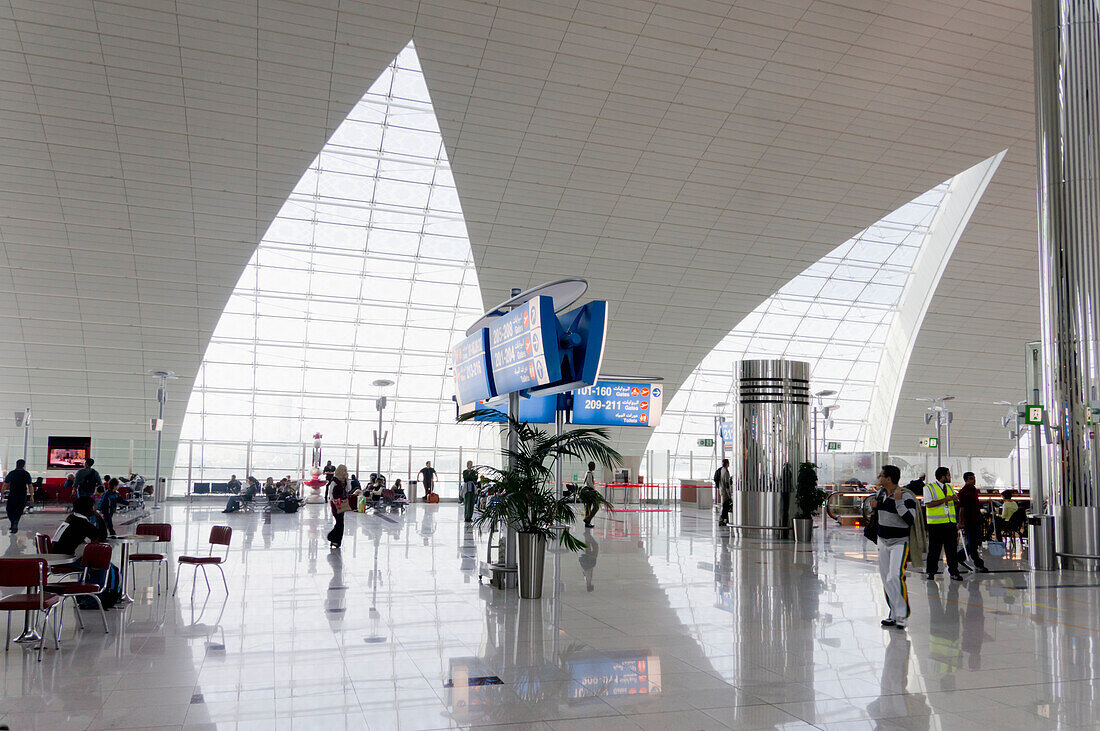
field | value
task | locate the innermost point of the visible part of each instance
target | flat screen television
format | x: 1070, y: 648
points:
x: 67, y: 453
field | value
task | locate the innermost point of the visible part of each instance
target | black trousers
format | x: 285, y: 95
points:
x: 973, y: 536
x: 590, y: 510
x: 943, y: 537
x: 336, y: 535
x: 15, y: 507
x: 727, y: 506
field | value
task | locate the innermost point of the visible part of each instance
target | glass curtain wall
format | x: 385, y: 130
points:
x: 854, y: 316
x: 366, y: 273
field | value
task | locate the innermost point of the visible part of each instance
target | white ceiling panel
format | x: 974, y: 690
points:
x: 689, y: 157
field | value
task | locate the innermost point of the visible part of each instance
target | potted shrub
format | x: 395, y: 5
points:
x: 524, y: 497
x: 808, y: 497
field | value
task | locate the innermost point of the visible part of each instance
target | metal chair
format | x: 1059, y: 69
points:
x: 96, y: 557
x: 29, y: 574
x: 220, y: 535
x: 163, y: 532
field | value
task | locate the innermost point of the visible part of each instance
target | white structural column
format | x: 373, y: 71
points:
x: 1067, y: 87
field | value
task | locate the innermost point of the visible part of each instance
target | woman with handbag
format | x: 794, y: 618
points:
x: 340, y: 503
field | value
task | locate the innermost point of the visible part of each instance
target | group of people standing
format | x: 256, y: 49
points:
x: 946, y: 511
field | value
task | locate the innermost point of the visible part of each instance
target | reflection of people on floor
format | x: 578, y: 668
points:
x: 973, y: 626
x: 944, y: 649
x: 334, y: 602
x: 427, y: 525
x: 894, y: 701
x: 723, y: 567
x: 588, y: 559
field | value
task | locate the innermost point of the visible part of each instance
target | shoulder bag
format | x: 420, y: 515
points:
x: 870, y: 529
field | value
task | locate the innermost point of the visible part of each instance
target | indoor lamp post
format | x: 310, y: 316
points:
x: 1013, y: 417
x: 718, y: 406
x: 818, y: 398
x: 380, y: 404
x: 162, y: 378
x: 942, y: 416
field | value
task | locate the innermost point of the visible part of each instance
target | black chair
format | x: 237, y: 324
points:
x: 1015, y: 528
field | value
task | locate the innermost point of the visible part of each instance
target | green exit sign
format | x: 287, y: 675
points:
x: 1033, y: 415
x: 706, y: 442
x: 930, y: 442
x: 833, y: 446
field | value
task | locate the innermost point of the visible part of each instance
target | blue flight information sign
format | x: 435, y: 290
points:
x: 618, y: 403
x: 523, y: 347
x: 473, y: 381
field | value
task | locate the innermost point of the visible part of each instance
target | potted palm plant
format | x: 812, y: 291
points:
x: 524, y: 498
x: 808, y: 497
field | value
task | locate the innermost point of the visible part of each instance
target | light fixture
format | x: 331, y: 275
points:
x: 824, y: 393
x: 380, y: 404
x: 163, y: 377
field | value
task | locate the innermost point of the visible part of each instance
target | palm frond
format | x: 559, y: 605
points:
x: 522, y: 497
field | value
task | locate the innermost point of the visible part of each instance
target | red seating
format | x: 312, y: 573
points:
x: 29, y: 574
x: 96, y: 556
x: 163, y: 532
x: 220, y: 535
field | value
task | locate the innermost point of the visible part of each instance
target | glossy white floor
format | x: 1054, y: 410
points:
x: 660, y: 625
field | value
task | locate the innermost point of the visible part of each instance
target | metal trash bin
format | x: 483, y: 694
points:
x: 1040, y: 538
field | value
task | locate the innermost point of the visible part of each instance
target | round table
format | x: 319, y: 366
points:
x: 30, y: 632
x: 126, y: 542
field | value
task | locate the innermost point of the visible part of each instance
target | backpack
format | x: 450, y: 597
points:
x: 110, y: 595
x: 88, y: 483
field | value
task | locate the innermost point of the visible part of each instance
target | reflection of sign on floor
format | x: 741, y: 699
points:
x: 478, y: 681
x: 615, y: 674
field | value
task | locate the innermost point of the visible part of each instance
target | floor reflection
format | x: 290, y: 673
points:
x: 660, y: 622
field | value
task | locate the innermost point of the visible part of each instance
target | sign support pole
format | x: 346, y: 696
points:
x: 939, y: 423
x: 511, y: 547
x: 26, y: 432
x: 559, y: 429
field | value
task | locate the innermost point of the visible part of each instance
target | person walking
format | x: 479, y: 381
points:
x: 326, y: 473
x: 18, y: 482
x: 427, y: 476
x: 896, y: 509
x: 973, y: 527
x: 87, y: 480
x: 724, y: 483
x: 943, y: 530
x: 108, y: 506
x: 590, y: 498
x: 340, y: 504
x: 469, y: 490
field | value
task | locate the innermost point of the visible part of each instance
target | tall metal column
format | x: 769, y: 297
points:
x: 1067, y: 86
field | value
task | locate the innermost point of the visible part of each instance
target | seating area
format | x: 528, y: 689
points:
x: 47, y: 579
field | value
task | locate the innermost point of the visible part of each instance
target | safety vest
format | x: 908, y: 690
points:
x: 941, y: 513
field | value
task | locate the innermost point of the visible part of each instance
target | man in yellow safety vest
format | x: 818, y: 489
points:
x: 943, y: 531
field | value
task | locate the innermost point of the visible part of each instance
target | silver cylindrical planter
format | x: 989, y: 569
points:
x: 771, y: 438
x: 532, y: 558
x: 1067, y: 87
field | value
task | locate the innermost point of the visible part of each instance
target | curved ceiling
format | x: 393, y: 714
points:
x: 689, y: 158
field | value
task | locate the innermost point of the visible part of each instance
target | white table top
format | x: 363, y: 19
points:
x: 51, y: 559
x: 133, y: 539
